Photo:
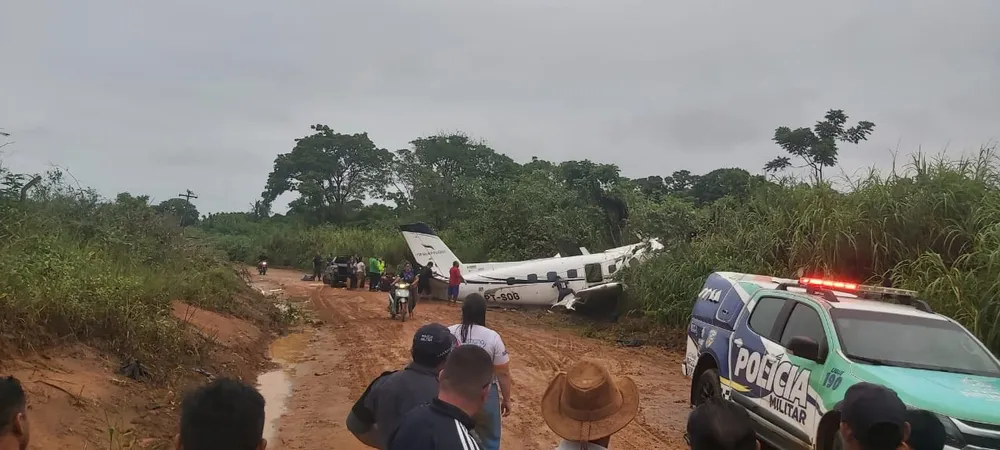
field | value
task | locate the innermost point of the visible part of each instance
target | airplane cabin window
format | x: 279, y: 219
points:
x: 532, y: 278
x: 593, y: 273
x: 612, y: 268
x: 571, y: 273
x: 551, y: 276
x: 510, y: 280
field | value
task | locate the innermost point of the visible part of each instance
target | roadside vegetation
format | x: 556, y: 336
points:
x: 930, y: 223
x: 78, y: 267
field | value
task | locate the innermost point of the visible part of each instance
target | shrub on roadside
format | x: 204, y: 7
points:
x: 77, y: 266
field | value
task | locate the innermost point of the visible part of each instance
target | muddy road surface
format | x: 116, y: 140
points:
x: 328, y: 364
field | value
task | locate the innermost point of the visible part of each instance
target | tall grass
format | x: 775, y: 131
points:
x: 933, y: 225
x: 73, y: 265
x: 295, y: 245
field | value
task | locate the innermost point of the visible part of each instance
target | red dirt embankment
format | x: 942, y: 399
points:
x: 76, y: 399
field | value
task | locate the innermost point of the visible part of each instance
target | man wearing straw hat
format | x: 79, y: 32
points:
x: 586, y: 405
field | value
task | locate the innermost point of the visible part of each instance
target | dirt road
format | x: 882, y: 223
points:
x: 328, y: 365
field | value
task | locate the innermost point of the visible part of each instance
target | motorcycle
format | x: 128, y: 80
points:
x: 262, y: 268
x: 399, y: 298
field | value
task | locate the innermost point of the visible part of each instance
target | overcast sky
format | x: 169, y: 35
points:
x: 158, y: 97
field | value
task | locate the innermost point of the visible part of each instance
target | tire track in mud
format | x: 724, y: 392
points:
x: 357, y: 341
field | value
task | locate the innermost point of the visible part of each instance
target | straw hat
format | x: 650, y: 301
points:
x: 587, y: 403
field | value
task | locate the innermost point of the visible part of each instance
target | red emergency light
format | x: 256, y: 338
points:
x: 829, y: 284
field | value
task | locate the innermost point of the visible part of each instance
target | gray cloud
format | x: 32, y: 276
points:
x: 157, y: 98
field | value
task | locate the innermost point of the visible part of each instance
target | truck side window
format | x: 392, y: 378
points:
x: 765, y: 314
x: 804, y: 321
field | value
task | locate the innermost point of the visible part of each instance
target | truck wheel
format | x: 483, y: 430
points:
x: 706, y: 386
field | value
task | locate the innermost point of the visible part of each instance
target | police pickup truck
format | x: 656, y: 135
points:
x: 787, y: 350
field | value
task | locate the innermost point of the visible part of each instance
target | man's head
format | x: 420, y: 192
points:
x: 431, y: 345
x: 873, y: 417
x: 466, y: 376
x: 222, y: 415
x: 430, y: 264
x: 718, y: 424
x: 13, y: 416
x: 454, y: 264
x: 926, y: 430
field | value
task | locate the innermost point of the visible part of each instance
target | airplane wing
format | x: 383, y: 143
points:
x: 584, y: 251
x: 580, y: 297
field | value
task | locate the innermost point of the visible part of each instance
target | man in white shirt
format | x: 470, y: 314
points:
x: 359, y: 271
x: 586, y: 405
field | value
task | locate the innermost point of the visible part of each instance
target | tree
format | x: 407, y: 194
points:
x: 436, y: 179
x: 329, y: 170
x: 817, y: 147
x: 719, y: 183
x: 186, y: 212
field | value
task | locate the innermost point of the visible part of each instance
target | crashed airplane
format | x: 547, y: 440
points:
x: 560, y: 281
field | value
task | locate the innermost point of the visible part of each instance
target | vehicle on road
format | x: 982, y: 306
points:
x: 338, y: 271
x: 532, y: 282
x: 787, y: 350
x: 262, y: 267
x: 399, y: 300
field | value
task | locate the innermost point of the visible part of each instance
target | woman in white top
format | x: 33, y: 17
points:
x: 473, y: 330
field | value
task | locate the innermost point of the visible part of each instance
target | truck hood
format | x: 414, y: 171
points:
x: 969, y: 397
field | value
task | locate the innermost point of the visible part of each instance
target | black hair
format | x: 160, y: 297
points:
x: 467, y: 371
x: 223, y: 415
x: 12, y: 401
x: 882, y: 436
x: 473, y: 313
x: 926, y: 430
x: 719, y: 424
x: 454, y: 264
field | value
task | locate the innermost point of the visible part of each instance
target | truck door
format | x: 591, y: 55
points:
x: 747, y: 349
x: 799, y: 383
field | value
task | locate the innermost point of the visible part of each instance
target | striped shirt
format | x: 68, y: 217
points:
x: 436, y: 426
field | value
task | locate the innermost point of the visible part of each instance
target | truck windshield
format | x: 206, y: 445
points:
x: 910, y: 341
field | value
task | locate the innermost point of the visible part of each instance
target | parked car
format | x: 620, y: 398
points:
x: 787, y: 350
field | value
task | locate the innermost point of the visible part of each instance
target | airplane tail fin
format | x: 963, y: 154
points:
x: 427, y: 247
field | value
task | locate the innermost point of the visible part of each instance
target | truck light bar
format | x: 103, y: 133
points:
x: 903, y: 296
x: 853, y: 287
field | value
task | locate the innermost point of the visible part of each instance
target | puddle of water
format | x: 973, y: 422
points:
x: 276, y: 386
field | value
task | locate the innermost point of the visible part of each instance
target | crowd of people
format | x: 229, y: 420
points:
x: 457, y: 387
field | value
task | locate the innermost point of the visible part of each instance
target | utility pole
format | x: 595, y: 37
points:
x: 187, y: 196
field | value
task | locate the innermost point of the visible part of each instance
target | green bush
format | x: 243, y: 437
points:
x: 934, y: 227
x: 73, y: 265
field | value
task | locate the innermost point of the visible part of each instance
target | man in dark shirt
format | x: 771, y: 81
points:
x: 424, y: 279
x: 317, y: 268
x: 446, y: 423
x: 392, y: 394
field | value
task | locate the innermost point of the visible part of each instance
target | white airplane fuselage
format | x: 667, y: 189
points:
x: 527, y: 283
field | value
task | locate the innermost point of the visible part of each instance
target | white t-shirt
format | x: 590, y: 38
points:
x: 486, y: 338
x: 359, y: 267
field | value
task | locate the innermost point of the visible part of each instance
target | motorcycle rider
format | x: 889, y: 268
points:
x: 402, y: 278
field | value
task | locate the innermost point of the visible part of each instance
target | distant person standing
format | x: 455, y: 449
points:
x: 359, y: 271
x: 455, y: 279
x: 373, y: 275
x: 424, y: 279
x: 318, y: 268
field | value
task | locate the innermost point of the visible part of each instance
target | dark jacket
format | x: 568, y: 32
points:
x: 390, y: 396
x: 437, y: 426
